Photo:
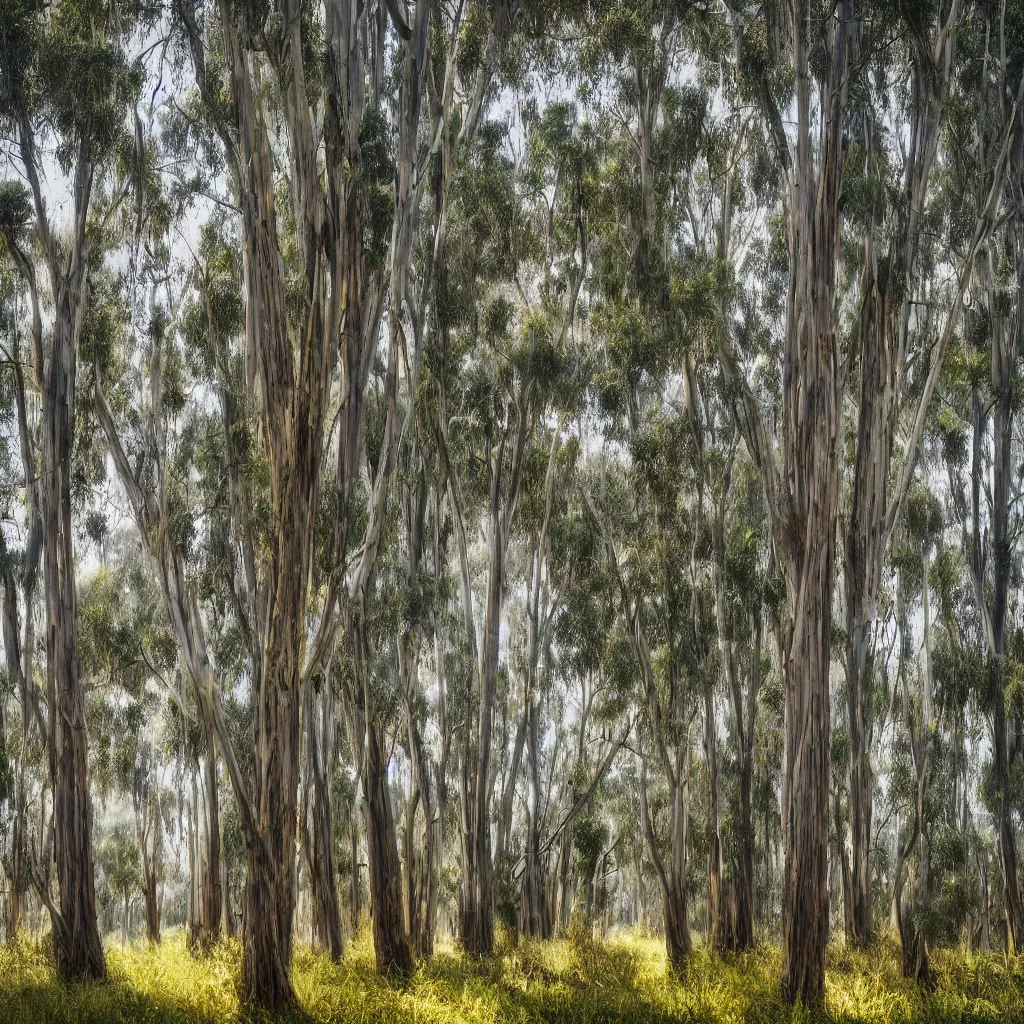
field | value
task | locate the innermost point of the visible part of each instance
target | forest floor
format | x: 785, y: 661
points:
x: 568, y: 982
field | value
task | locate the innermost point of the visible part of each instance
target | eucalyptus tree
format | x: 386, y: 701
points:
x: 288, y: 366
x: 68, y: 79
x: 117, y: 858
x: 540, y: 520
x: 659, y: 550
x: 743, y: 577
x: 19, y: 572
x: 124, y: 650
x: 893, y: 222
x: 923, y: 528
x: 152, y: 454
x: 593, y: 663
x: 643, y: 330
x: 801, y: 475
x: 992, y: 512
x: 498, y: 367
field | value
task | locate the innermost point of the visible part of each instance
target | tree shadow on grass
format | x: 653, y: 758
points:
x: 562, y: 982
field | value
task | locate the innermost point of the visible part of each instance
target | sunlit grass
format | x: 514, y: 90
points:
x: 569, y: 981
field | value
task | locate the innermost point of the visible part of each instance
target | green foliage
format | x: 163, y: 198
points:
x: 376, y: 182
x: 118, y: 858
x: 15, y: 208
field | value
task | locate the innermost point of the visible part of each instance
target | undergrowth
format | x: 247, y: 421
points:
x: 562, y: 982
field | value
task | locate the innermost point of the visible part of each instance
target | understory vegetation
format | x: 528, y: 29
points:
x: 575, y: 979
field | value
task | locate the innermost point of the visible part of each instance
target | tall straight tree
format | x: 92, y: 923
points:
x: 886, y: 391
x: 801, y: 480
x: 334, y: 208
x: 65, y: 78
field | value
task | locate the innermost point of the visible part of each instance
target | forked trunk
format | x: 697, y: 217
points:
x: 535, y: 921
x: 422, y: 846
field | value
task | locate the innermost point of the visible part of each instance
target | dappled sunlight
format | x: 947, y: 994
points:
x: 566, y: 981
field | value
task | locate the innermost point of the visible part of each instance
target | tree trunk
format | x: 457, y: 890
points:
x: 355, y: 890
x: 534, y: 923
x: 152, y: 908
x: 476, y: 926
x: 1005, y: 351
x: 678, y: 944
x: 563, y: 903
x: 805, y: 784
x: 266, y: 960
x: 326, y: 914
x: 77, y: 945
x: 228, y: 917
x: 209, y: 863
x: 801, y: 486
x: 390, y: 942
x: 743, y: 934
x: 477, y: 917
x: 421, y: 861
x: 716, y: 936
x: 148, y: 839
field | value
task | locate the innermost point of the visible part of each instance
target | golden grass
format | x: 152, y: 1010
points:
x: 563, y: 982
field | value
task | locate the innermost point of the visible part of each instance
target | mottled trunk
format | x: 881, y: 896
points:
x: 861, y: 701
x: 14, y: 878
x: 476, y: 925
x: 149, y: 849
x: 228, y: 917
x: 534, y: 916
x: 415, y: 876
x: 536, y: 920
x: 563, y: 902
x: 266, y: 960
x: 477, y: 918
x: 204, y: 857
x: 14, y: 867
x: 805, y: 785
x: 672, y: 870
x: 842, y: 858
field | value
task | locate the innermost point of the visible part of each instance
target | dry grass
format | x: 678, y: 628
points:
x: 562, y: 982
